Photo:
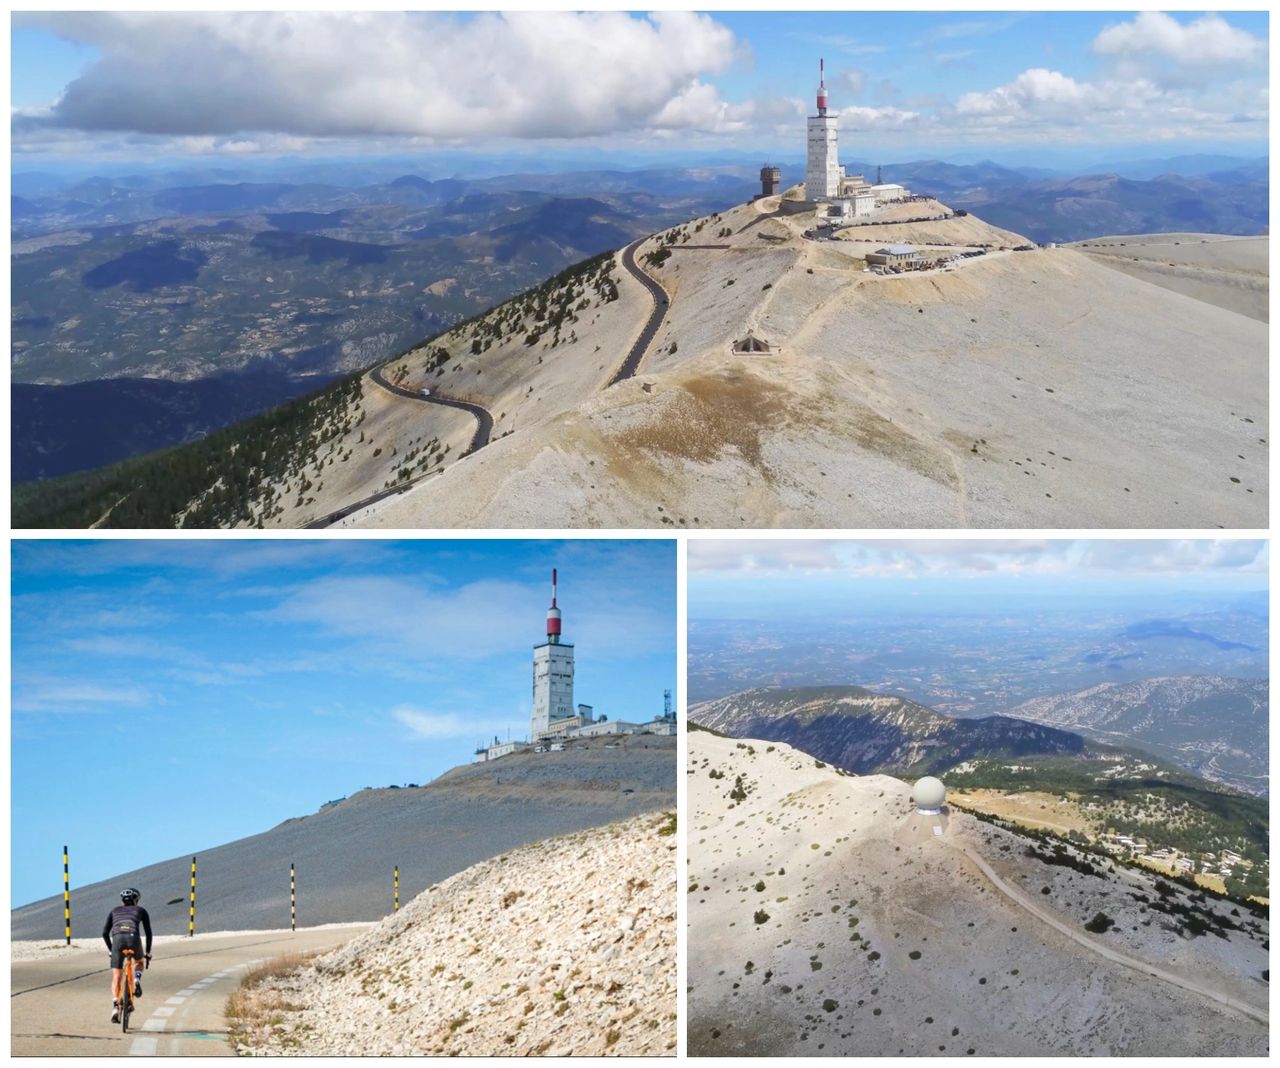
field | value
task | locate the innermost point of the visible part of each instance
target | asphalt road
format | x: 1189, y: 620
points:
x: 61, y: 1006
x: 660, y: 304
x: 484, y: 421
x: 1106, y: 952
x: 484, y: 427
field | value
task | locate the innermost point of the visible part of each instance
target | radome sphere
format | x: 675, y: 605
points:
x: 928, y: 794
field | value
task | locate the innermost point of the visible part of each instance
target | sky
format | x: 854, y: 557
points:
x: 803, y: 579
x: 907, y: 85
x: 246, y: 682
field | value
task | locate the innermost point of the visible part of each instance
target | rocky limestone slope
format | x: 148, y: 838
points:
x: 1033, y: 388
x: 561, y: 948
x: 827, y: 918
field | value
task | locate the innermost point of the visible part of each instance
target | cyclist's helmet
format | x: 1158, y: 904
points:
x: 130, y: 896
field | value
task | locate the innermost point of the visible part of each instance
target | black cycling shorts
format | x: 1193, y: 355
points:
x: 122, y: 940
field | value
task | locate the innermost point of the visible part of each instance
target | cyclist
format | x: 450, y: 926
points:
x: 126, y: 923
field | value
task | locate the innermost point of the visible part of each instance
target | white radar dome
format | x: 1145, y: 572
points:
x: 928, y: 794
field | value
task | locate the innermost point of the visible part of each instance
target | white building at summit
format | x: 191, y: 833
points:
x: 554, y: 717
x: 822, y: 172
x: 553, y: 677
x: 847, y: 196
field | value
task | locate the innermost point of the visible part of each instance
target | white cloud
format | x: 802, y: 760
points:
x: 64, y: 696
x: 909, y: 558
x: 1208, y: 40
x: 441, y: 726
x: 418, y: 75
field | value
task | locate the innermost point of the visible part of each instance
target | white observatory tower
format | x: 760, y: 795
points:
x: 822, y: 168
x: 552, y: 675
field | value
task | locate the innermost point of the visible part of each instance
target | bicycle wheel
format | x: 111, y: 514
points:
x: 126, y: 994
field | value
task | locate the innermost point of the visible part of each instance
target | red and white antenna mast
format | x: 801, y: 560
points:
x: 822, y: 86
x: 553, y: 614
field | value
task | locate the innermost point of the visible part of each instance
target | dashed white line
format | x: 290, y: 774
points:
x: 163, y: 1010
x: 144, y: 1047
x: 177, y: 999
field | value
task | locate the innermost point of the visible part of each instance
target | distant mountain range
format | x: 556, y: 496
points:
x: 1230, y: 200
x: 1211, y: 726
x: 865, y: 732
x: 1214, y: 726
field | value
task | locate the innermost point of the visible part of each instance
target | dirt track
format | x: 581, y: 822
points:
x: 1106, y: 952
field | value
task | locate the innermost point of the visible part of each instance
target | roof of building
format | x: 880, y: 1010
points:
x: 898, y: 250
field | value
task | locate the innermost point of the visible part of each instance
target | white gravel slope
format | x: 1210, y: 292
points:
x: 565, y: 947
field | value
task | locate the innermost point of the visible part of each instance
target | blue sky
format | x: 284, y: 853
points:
x: 908, y: 85
x: 805, y: 579
x: 251, y: 681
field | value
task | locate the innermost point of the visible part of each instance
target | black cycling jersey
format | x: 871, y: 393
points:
x: 127, y: 920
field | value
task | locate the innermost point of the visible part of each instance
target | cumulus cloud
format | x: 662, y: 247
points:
x: 420, y: 75
x: 1208, y: 40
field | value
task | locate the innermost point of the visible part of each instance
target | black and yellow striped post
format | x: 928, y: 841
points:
x: 395, y: 878
x: 191, y: 918
x: 66, y: 892
x: 293, y: 899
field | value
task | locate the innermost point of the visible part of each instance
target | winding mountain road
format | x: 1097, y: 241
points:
x: 484, y: 421
x: 661, y: 302
x: 1044, y: 915
x: 60, y: 1005
x: 484, y: 427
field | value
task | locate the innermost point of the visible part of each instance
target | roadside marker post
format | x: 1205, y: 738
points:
x: 395, y: 877
x: 293, y: 899
x: 191, y: 918
x: 66, y: 892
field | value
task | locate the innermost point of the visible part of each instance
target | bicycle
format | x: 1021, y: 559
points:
x: 126, y: 988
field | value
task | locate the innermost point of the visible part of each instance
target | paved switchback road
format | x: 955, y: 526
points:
x: 61, y: 1005
x: 484, y: 427
x: 660, y: 304
x: 484, y: 421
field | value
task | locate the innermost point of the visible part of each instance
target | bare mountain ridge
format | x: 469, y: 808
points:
x: 346, y: 851
x: 1212, y: 725
x: 1029, y: 388
x: 826, y: 917
x: 862, y: 732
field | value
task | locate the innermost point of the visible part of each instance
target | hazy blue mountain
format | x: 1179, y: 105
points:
x: 1212, y: 725
x: 865, y: 732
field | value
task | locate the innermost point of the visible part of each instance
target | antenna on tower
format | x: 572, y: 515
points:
x: 553, y: 614
x: 879, y: 180
x: 666, y: 704
x: 822, y: 72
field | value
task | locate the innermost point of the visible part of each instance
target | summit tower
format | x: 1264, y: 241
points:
x: 552, y: 675
x: 822, y: 167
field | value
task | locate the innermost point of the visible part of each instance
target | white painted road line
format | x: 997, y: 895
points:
x: 186, y: 993
x: 144, y: 1047
x: 163, y: 1010
x: 177, y: 999
x: 153, y: 1024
